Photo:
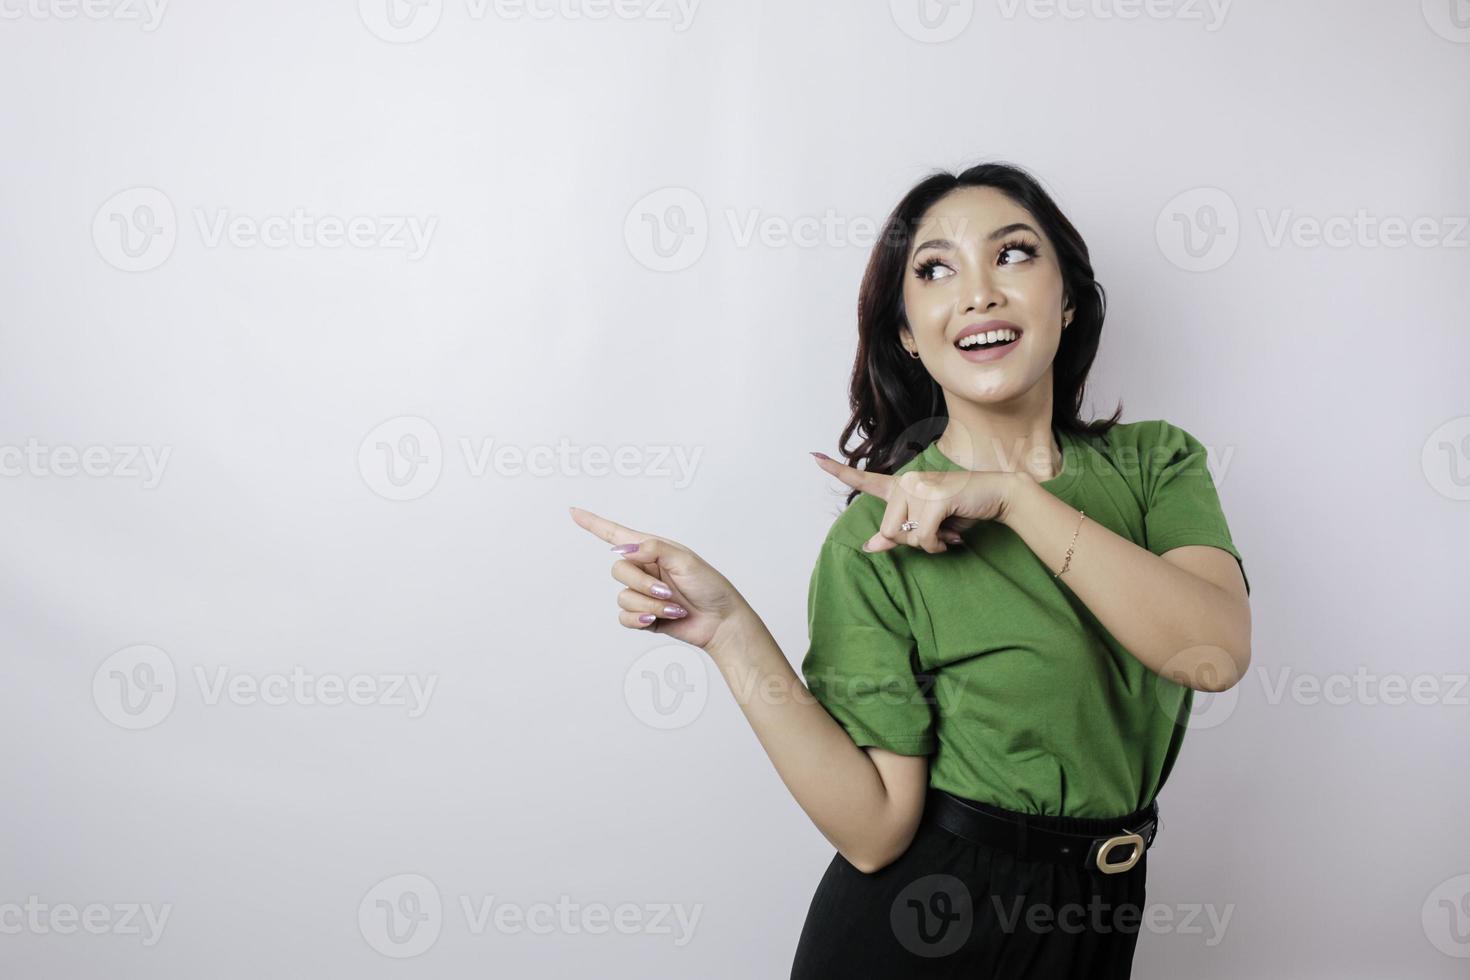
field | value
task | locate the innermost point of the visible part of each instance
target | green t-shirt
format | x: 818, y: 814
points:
x: 981, y: 658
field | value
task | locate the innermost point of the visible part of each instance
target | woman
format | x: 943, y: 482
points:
x: 1007, y: 623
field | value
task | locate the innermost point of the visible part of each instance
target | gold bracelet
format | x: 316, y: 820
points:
x: 1068, y: 563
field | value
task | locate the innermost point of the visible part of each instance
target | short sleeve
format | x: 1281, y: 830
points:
x: 1182, y: 506
x: 861, y: 661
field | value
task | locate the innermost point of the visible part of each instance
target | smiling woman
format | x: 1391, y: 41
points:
x: 1016, y: 606
x: 1007, y: 623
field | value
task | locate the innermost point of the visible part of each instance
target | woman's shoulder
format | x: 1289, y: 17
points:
x: 1141, y: 452
x: 1146, y: 439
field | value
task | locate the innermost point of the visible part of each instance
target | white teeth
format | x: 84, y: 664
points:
x: 989, y: 337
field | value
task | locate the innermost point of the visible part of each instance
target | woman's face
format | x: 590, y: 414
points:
x: 977, y: 258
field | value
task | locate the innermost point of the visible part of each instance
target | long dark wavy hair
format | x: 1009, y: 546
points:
x: 897, y: 406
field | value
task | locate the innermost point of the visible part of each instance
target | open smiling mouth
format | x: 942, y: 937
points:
x: 987, y: 345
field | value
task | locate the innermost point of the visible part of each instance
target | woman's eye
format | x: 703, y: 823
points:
x: 1025, y: 254
x: 930, y: 270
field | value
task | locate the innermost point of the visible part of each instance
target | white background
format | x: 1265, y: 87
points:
x: 538, y: 153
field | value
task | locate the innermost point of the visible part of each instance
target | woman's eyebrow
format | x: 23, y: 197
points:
x: 998, y: 233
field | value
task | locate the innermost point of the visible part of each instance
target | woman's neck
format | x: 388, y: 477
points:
x: 1003, y: 445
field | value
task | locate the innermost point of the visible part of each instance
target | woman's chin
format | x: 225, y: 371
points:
x: 989, y: 386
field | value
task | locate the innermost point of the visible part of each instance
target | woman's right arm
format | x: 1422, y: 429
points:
x: 866, y: 801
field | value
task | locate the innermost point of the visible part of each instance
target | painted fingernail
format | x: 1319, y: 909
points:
x: 626, y: 548
x: 675, y: 612
x: 647, y: 618
x: 820, y: 455
x: 662, y: 591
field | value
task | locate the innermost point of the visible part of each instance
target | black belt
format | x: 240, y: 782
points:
x: 1110, y: 854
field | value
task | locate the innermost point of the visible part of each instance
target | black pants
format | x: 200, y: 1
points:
x: 952, y: 908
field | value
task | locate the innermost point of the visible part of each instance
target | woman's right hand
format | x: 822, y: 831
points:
x: 713, y: 605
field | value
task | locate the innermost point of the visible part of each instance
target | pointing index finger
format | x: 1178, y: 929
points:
x: 876, y: 484
x: 605, y: 529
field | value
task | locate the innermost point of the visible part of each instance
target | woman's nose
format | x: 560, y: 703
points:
x: 980, y: 292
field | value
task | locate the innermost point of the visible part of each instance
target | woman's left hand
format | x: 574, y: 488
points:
x: 942, y: 503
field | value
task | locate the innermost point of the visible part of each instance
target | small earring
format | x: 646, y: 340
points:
x: 913, y: 353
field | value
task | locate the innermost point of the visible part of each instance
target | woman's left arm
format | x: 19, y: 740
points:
x: 1185, y: 615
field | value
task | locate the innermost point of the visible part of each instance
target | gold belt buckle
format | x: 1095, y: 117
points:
x: 1113, y: 868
